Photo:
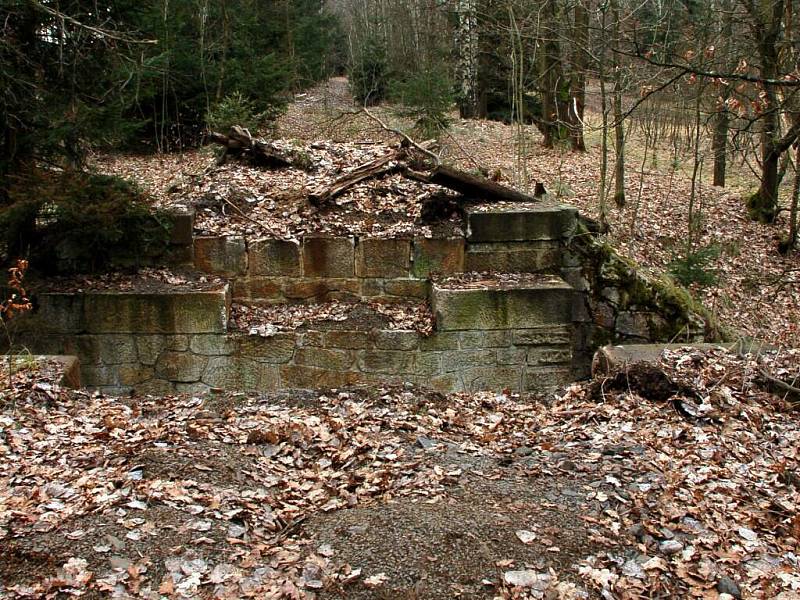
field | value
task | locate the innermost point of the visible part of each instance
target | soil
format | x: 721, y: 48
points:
x: 141, y: 281
x: 399, y: 492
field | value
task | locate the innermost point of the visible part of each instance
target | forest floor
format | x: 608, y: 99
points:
x: 606, y: 491
x: 756, y: 291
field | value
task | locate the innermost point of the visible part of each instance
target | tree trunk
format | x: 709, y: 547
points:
x: 763, y: 205
x: 792, y: 241
x: 719, y: 145
x: 581, y: 39
x: 554, y: 86
x: 467, y: 53
x: 619, y: 126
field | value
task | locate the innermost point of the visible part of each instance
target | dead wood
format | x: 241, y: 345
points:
x: 240, y: 143
x: 780, y: 388
x: 376, y: 169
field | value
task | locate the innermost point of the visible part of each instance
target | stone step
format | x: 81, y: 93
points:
x: 177, y: 311
x: 542, y: 256
x: 476, y: 301
x: 518, y: 222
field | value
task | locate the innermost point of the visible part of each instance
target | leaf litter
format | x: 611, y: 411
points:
x: 395, y: 490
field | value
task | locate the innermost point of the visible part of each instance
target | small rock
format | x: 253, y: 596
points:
x: 670, y: 547
x: 425, y: 443
x: 527, y: 579
x: 726, y: 585
x: 523, y: 451
x: 568, y: 465
x: 636, y: 530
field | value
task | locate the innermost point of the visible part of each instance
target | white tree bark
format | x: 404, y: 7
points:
x: 467, y: 53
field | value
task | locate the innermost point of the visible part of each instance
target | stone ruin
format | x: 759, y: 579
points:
x: 521, y: 301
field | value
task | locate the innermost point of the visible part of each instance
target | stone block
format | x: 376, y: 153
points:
x: 182, y: 225
x: 437, y: 255
x: 603, y: 314
x: 275, y: 258
x: 546, y: 379
x: 372, y: 287
x: 549, y: 356
x: 58, y: 313
x: 306, y: 377
x: 321, y: 290
x: 457, y: 360
x: 445, y: 384
x: 135, y: 374
x: 311, y: 338
x: 178, y: 343
x: 241, y: 374
x: 633, y: 324
x: 512, y: 356
x: 328, y: 257
x: 491, y: 378
x: 440, y: 340
x: 348, y: 339
x: 278, y: 348
x: 211, y: 344
x: 221, y: 255
x: 388, y: 339
x: 543, y: 221
x: 174, y: 312
x: 181, y: 367
x: 267, y: 290
x: 542, y: 336
x: 179, y: 255
x: 192, y: 388
x: 149, y: 347
x: 427, y: 364
x: 406, y: 288
x: 383, y: 257
x: 100, y: 375
x: 522, y: 306
x: 386, y: 361
x: 575, y: 277
x: 514, y: 257
x: 324, y: 358
x: 156, y: 387
x: 485, y: 339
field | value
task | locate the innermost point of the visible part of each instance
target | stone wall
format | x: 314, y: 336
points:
x: 151, y: 361
x: 564, y: 293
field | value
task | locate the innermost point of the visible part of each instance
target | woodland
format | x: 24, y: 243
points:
x: 673, y: 126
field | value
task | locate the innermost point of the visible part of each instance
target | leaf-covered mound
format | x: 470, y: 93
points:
x: 373, y: 493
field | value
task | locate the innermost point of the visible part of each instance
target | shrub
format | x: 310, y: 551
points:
x: 696, y: 266
x: 72, y: 221
x: 369, y: 73
x: 235, y: 109
x: 427, y: 97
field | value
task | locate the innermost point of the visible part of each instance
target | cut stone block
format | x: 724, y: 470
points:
x: 520, y: 222
x: 491, y: 305
x: 514, y: 257
x: 69, y: 367
x: 181, y: 367
x: 545, y: 379
x: 278, y: 348
x: 328, y: 257
x: 387, y: 258
x: 168, y: 313
x: 225, y: 255
x: 182, y: 219
x: 275, y: 258
x: 242, y: 374
x: 406, y: 288
x: 437, y: 255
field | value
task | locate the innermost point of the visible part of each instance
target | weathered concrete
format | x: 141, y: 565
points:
x: 509, y: 223
x: 492, y: 307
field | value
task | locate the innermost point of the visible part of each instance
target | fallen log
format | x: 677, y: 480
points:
x: 239, y: 142
x: 376, y: 169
